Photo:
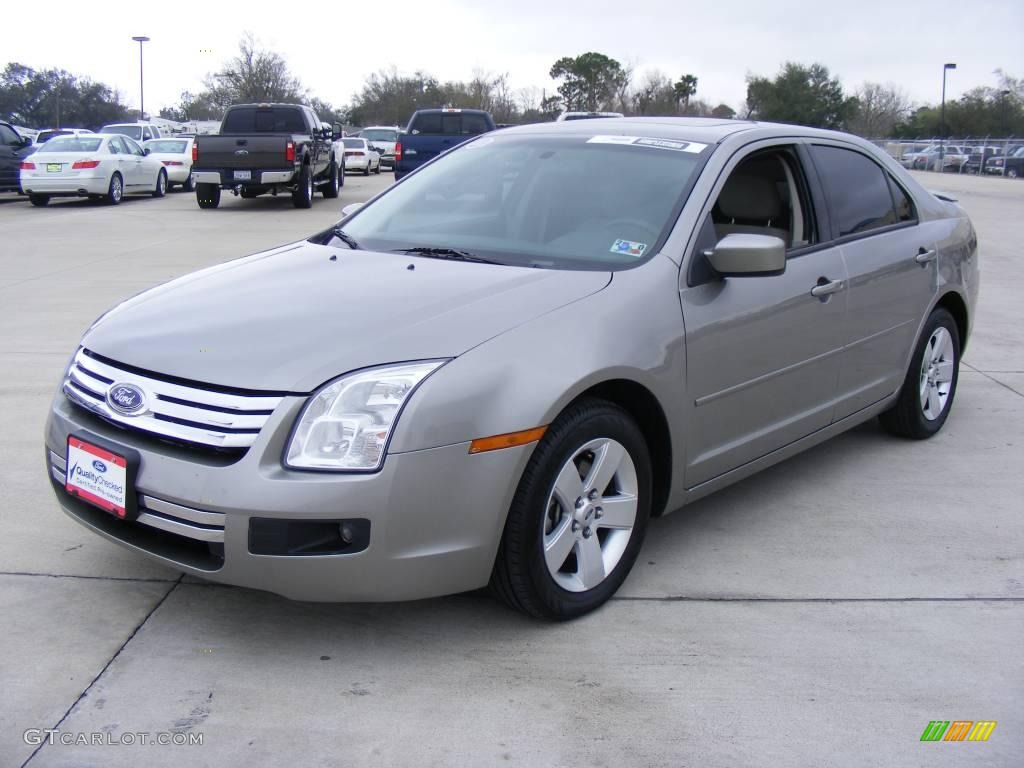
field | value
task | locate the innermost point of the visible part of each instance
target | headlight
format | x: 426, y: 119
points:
x: 346, y: 425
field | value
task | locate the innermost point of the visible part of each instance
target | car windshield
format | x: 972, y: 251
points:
x: 70, y: 144
x: 377, y: 134
x: 583, y: 201
x: 167, y: 146
x: 133, y: 131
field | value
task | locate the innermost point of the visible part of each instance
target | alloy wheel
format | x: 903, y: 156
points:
x: 590, y: 515
x: 937, y: 365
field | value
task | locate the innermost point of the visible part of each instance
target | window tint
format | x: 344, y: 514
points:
x: 353, y: 143
x: 451, y: 123
x: 904, y: 206
x: 264, y: 120
x: 857, y: 190
x: 8, y: 136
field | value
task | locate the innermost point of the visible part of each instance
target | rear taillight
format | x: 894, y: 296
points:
x: 398, y: 150
x: 27, y: 166
x: 81, y: 165
x: 195, y: 153
x: 172, y: 162
x: 289, y: 151
x: 354, y: 153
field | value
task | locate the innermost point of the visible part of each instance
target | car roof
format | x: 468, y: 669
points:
x: 705, y: 129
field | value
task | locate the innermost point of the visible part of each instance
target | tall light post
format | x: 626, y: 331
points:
x: 942, y: 118
x: 140, y: 39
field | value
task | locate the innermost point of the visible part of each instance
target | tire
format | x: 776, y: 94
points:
x: 366, y: 170
x: 541, y: 510
x: 190, y: 184
x: 331, y: 189
x: 208, y: 195
x: 115, y: 191
x: 377, y: 169
x: 161, y: 184
x: 39, y: 201
x: 1012, y: 173
x: 934, y: 368
x: 302, y: 197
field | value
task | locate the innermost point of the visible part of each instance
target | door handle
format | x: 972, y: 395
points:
x: 826, y: 289
x: 925, y: 256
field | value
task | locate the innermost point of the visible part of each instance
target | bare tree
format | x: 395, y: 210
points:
x: 880, y: 108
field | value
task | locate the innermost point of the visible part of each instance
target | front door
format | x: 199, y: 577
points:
x: 762, y: 352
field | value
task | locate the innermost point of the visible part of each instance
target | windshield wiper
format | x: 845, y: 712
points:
x: 452, y: 254
x: 348, y: 240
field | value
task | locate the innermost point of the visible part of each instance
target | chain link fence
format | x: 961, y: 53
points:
x: 976, y: 155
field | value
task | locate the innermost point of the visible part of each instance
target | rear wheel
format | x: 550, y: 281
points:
x: 579, y: 514
x: 331, y: 188
x: 930, y: 385
x: 377, y: 169
x: 366, y: 170
x: 190, y: 183
x: 116, y: 189
x: 161, y: 184
x: 207, y: 195
x: 302, y: 197
x: 1011, y: 172
x: 39, y: 200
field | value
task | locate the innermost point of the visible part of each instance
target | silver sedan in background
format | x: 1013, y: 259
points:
x: 499, y: 369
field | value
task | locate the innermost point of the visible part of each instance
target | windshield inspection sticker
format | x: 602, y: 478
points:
x: 628, y: 247
x: 643, y: 141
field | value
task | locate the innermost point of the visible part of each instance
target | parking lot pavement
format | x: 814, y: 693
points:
x: 820, y: 613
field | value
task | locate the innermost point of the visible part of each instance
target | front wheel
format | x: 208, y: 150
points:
x: 161, y: 184
x: 930, y: 385
x: 578, y: 516
x: 39, y: 200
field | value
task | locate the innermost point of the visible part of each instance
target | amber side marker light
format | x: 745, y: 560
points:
x: 508, y: 440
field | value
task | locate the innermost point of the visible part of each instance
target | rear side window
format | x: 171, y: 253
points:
x: 904, y: 205
x: 264, y: 120
x: 450, y: 123
x: 857, y: 190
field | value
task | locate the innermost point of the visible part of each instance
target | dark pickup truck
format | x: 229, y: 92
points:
x: 13, y: 149
x: 267, y: 148
x: 433, y: 131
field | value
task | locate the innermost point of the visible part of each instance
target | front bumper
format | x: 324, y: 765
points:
x: 435, y: 516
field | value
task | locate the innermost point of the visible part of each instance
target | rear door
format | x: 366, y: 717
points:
x: 890, y: 258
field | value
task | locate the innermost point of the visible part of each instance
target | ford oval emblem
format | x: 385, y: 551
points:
x: 126, y: 399
x: 99, y: 466
x: 241, y: 152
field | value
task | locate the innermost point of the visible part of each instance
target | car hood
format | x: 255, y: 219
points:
x: 294, y: 317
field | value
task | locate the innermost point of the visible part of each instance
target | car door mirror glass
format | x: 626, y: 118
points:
x: 744, y: 255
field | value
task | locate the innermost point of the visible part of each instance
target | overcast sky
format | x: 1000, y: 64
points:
x: 335, y: 46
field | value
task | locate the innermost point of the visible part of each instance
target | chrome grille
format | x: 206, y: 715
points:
x: 166, y: 515
x: 179, y: 412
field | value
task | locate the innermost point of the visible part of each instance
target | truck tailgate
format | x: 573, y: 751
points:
x: 241, y: 152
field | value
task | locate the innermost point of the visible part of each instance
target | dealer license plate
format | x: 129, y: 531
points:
x: 243, y: 175
x: 53, y: 167
x: 97, y: 476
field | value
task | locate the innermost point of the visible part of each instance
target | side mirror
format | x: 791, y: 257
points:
x: 336, y: 130
x: 351, y: 208
x: 743, y: 255
x: 146, y: 151
x: 26, y: 141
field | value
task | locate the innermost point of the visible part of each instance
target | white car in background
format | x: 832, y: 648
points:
x: 384, y: 137
x: 98, y: 166
x: 176, y: 156
x: 135, y: 131
x: 359, y: 156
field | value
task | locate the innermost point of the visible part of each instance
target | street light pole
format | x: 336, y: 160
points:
x: 942, y: 118
x: 140, y: 39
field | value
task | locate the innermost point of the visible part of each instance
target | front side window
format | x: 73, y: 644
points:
x: 548, y: 201
x: 857, y: 190
x: 133, y: 148
x: 8, y: 136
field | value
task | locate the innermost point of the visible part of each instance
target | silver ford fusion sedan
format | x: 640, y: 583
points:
x: 499, y: 369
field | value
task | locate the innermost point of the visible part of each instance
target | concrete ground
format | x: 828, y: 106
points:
x: 819, y: 614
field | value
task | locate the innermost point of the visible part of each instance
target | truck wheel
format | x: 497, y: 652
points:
x: 207, y: 195
x: 330, y: 189
x: 302, y: 197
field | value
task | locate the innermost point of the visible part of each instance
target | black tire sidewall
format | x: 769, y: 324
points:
x: 303, y: 197
x: 110, y: 190
x: 566, y: 435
